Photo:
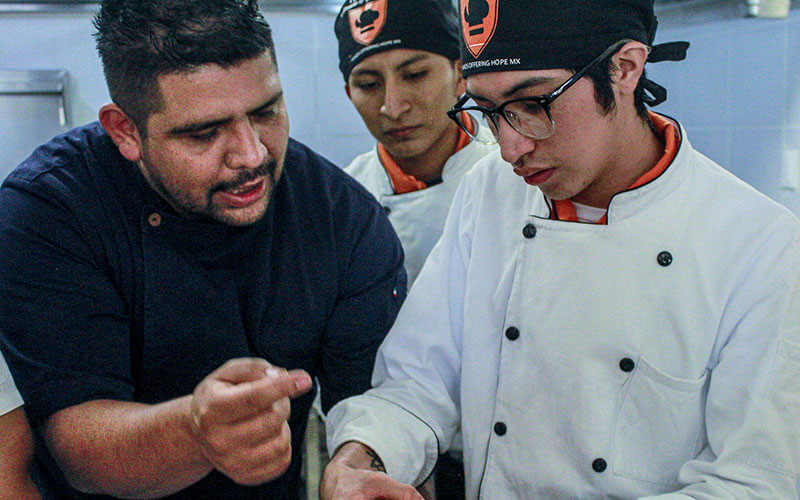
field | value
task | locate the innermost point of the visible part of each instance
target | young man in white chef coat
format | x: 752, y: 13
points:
x: 402, y: 70
x: 609, y: 313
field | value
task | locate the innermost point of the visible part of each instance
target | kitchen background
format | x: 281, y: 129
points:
x: 738, y: 92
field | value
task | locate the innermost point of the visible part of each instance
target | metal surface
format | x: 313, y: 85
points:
x: 14, y: 81
x: 37, y: 82
x: 32, y: 110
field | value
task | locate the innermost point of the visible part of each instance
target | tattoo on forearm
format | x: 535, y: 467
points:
x: 376, y: 462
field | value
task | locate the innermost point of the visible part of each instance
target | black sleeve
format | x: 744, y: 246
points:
x: 372, y: 289
x: 63, y: 325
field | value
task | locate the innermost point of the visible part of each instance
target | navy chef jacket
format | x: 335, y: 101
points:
x: 108, y: 294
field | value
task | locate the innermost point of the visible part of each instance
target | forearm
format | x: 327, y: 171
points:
x: 358, y: 456
x: 16, y: 454
x: 18, y: 487
x: 128, y: 450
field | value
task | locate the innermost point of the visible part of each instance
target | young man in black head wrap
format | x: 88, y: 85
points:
x: 609, y: 313
x: 402, y: 69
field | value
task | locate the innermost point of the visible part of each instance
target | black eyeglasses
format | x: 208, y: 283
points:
x: 530, y: 116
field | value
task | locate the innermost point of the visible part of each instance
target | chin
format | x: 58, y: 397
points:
x: 241, y: 217
x: 239, y: 221
x: 406, y: 149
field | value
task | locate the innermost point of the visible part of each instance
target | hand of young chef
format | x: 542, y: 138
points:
x: 356, y: 473
x: 239, y: 416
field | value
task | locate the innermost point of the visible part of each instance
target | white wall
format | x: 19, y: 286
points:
x: 320, y: 113
x: 319, y: 110
x: 738, y: 93
x: 57, y: 41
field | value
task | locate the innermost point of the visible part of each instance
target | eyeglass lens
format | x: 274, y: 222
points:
x: 529, y: 118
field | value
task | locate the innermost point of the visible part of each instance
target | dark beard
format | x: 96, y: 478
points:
x: 204, y: 213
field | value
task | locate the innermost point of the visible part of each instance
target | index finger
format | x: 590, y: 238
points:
x: 259, y: 395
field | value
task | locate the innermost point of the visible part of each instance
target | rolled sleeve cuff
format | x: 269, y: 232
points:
x: 407, y: 446
x: 10, y: 399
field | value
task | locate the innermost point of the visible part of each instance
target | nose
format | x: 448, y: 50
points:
x: 513, y: 145
x: 395, y: 101
x: 245, y: 149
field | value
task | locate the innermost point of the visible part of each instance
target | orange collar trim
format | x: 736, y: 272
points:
x: 564, y: 210
x: 405, y: 183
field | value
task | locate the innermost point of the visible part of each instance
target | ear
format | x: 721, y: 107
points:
x: 630, y: 63
x: 461, y: 84
x: 123, y: 131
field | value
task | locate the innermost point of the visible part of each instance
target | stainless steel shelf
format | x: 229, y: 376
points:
x: 37, y: 82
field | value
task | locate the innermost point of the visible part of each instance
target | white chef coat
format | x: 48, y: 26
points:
x: 659, y: 353
x: 418, y: 217
x: 9, y: 395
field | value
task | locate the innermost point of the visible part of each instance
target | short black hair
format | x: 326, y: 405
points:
x: 140, y: 40
x: 601, y: 77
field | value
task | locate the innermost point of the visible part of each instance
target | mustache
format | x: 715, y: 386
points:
x: 265, y: 169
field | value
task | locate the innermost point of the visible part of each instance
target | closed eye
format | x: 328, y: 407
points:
x: 204, y: 136
x: 532, y: 107
x: 367, y: 86
x: 265, y: 113
x: 416, y: 75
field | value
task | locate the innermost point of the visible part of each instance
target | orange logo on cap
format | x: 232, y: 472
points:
x: 366, y: 21
x: 478, y: 22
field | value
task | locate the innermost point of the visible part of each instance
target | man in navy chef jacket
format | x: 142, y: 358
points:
x: 175, y: 275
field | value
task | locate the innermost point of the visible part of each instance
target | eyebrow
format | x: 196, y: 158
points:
x: 527, y: 83
x: 411, y: 60
x: 408, y: 62
x: 191, y: 128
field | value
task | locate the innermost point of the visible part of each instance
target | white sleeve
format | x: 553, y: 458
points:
x: 10, y: 398
x: 413, y: 411
x: 753, y: 403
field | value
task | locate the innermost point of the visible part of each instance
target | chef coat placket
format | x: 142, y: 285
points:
x: 573, y: 333
x: 187, y: 314
x: 505, y: 424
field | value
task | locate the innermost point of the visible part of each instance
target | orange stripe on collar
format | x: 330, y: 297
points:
x: 401, y: 181
x: 406, y: 183
x: 564, y: 210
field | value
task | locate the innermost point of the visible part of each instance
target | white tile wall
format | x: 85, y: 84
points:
x: 320, y: 113
x: 738, y: 93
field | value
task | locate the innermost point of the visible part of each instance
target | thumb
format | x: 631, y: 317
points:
x: 302, y: 382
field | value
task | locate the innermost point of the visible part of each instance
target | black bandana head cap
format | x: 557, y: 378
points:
x: 507, y: 35
x: 366, y: 27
